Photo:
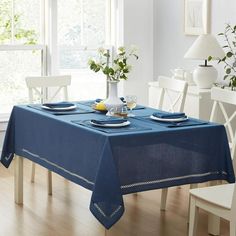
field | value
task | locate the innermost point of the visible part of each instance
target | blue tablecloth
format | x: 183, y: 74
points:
x: 152, y: 155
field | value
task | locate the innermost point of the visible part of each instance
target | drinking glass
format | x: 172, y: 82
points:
x: 131, y: 102
x: 119, y: 111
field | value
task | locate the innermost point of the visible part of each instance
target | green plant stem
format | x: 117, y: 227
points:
x: 227, y: 40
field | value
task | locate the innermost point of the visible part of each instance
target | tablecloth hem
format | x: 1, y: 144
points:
x: 106, y: 220
x: 167, y: 184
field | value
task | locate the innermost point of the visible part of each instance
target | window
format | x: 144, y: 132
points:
x: 21, y: 54
x: 74, y: 30
x: 83, y: 27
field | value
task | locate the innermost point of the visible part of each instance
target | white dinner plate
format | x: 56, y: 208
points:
x: 168, y: 120
x: 69, y: 108
x: 126, y: 123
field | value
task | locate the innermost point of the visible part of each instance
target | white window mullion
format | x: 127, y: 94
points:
x: 51, y: 37
x: 108, y: 22
x: 44, y: 66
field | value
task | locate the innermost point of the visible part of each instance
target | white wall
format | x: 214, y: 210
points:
x: 136, y: 27
x: 170, y: 43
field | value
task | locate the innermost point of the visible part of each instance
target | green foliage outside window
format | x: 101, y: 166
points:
x: 29, y: 36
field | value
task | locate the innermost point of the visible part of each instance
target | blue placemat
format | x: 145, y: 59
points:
x: 78, y: 110
x: 129, y: 128
x: 172, y: 124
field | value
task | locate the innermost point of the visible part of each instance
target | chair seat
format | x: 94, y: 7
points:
x: 220, y: 195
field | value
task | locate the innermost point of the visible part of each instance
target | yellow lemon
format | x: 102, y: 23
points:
x: 100, y: 106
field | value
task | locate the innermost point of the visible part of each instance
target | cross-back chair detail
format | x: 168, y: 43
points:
x: 222, y: 97
x: 40, y: 85
x: 47, y: 88
x: 168, y: 85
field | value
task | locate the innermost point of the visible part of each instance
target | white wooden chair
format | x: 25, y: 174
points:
x: 170, y: 87
x: 219, y: 200
x: 47, y: 89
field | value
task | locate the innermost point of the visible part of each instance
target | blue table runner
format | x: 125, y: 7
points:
x: 114, y: 164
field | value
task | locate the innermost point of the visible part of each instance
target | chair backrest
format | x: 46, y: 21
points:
x: 38, y: 86
x: 169, y: 85
x: 221, y: 97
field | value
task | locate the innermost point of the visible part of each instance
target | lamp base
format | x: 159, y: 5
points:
x: 205, y: 76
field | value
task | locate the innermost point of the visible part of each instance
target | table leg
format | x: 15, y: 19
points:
x: 32, y: 172
x: 164, y: 193
x: 213, y: 220
x: 49, y: 182
x: 18, y: 180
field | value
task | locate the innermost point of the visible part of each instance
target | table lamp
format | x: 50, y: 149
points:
x: 205, y: 45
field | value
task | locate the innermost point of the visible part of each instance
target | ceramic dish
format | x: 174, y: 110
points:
x: 168, y: 120
x: 126, y: 123
x: 67, y: 108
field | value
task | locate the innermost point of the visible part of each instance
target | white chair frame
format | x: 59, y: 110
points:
x: 218, y: 200
x: 180, y: 87
x: 166, y: 85
x: 40, y: 86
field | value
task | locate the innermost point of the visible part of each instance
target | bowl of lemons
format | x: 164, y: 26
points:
x: 99, y: 106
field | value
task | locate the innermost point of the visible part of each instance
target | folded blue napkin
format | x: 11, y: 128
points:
x: 109, y: 121
x: 122, y: 99
x: 169, y: 115
x: 99, y: 99
x: 58, y: 105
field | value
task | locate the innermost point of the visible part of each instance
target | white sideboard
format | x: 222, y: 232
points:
x: 198, y: 101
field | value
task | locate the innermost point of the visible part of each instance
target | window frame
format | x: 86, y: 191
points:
x: 109, y: 33
x: 48, y: 37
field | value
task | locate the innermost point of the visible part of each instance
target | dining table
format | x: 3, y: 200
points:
x: 111, y: 162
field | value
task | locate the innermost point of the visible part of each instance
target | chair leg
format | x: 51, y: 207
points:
x: 192, y: 186
x: 213, y: 220
x: 49, y: 182
x: 32, y: 172
x: 164, y: 193
x: 193, y: 217
x: 232, y: 228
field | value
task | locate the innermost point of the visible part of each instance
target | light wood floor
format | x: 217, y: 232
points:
x: 66, y: 212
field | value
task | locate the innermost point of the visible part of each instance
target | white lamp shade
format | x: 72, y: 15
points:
x: 205, y: 45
